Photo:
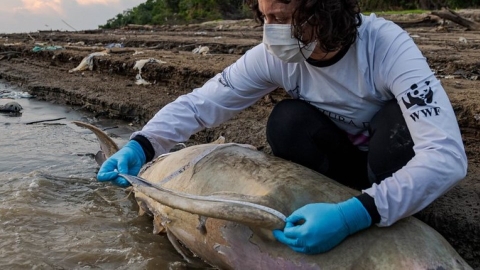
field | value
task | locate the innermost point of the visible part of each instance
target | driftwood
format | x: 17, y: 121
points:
x: 425, y: 21
x: 457, y: 18
x: 8, y: 55
x: 9, y: 52
x: 98, y: 48
x: 120, y: 50
x: 138, y: 27
x: 46, y: 120
x: 93, y: 31
x: 80, y: 48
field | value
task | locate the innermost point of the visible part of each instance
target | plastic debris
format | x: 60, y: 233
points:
x: 79, y: 43
x: 87, y: 62
x: 14, y: 95
x: 203, y: 50
x: 46, y: 48
x: 140, y: 63
x: 114, y: 45
x: 140, y: 80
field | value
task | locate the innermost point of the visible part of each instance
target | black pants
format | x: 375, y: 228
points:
x: 299, y: 132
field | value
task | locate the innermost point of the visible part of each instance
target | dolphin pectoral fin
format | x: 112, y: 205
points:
x: 108, y: 146
x: 178, y: 247
x: 187, y: 255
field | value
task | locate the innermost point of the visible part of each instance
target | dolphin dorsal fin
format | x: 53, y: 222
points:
x: 220, y: 140
x: 107, y: 145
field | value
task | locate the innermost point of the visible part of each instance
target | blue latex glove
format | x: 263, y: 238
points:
x: 325, y: 225
x: 128, y: 160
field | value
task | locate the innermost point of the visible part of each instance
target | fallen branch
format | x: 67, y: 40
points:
x: 107, y: 128
x: 47, y: 120
x: 8, y: 55
x: 426, y: 21
x: 78, y: 48
x: 30, y: 36
x: 98, y: 48
x: 138, y: 27
x: 9, y: 52
x: 456, y: 18
x: 120, y: 50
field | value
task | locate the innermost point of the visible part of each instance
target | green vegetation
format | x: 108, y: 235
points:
x: 158, y: 12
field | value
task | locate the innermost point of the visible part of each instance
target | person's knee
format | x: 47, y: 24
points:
x: 391, y: 144
x: 285, y: 118
x: 390, y: 113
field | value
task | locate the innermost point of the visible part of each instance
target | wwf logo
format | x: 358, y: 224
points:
x: 420, y: 97
x: 222, y: 82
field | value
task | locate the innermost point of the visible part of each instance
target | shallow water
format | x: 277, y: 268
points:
x: 53, y: 213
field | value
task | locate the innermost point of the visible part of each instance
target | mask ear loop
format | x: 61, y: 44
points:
x: 301, y: 45
x: 301, y: 27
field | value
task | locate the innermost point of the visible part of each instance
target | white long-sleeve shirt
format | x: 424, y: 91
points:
x: 384, y: 63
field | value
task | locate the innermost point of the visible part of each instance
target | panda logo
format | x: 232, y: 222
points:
x: 420, y: 97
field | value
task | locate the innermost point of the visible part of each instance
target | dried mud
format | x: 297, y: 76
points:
x: 109, y: 90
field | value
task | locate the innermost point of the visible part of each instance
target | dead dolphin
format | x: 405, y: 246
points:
x: 187, y: 185
x: 11, y: 107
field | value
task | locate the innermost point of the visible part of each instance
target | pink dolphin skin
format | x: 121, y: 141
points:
x: 198, y: 206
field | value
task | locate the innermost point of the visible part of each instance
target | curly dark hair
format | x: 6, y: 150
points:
x: 334, y: 23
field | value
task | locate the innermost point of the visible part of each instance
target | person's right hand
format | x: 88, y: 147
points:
x: 128, y: 160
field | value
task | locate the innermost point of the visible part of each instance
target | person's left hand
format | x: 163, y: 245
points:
x: 324, y: 225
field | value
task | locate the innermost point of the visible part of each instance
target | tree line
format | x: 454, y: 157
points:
x: 159, y: 12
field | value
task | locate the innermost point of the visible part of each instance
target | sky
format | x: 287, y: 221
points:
x: 18, y: 16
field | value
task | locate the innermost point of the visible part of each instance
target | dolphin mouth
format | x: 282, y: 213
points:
x: 243, y: 212
x: 248, y: 213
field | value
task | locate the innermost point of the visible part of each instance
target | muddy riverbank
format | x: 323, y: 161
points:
x: 110, y: 90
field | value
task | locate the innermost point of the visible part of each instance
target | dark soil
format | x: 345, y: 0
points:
x: 109, y: 90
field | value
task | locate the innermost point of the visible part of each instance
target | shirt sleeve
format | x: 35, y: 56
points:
x: 239, y: 86
x: 440, y: 161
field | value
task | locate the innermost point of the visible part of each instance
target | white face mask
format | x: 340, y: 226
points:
x: 280, y: 43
